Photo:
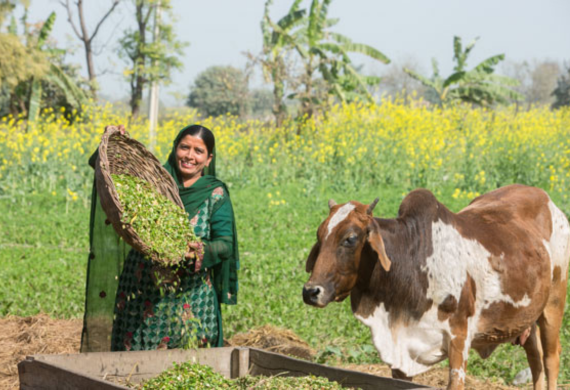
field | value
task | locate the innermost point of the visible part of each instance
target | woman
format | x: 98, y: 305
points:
x: 180, y: 307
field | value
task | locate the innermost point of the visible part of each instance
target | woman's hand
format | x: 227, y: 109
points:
x: 121, y: 128
x: 196, y: 253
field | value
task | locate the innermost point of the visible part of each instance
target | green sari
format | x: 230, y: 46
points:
x: 126, y: 310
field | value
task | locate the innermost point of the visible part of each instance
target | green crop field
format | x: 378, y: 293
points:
x: 280, y: 182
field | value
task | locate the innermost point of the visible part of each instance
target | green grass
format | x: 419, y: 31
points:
x: 43, y: 252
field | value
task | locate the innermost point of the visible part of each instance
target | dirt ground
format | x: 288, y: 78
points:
x: 23, y: 336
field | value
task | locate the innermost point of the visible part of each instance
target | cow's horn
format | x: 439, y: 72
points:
x: 371, y: 206
x: 332, y: 203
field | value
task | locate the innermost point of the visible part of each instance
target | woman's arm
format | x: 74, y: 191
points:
x: 220, y: 245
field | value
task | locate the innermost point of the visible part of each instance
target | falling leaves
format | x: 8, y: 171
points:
x: 160, y: 223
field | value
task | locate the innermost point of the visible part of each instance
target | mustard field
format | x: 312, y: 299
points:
x: 462, y: 152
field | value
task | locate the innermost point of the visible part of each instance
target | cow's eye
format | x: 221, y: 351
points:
x: 350, y: 240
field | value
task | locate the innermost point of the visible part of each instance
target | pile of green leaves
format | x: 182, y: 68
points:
x: 160, y: 223
x: 187, y: 376
x: 197, y: 376
x: 286, y: 382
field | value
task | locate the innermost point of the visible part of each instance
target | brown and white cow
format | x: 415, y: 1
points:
x: 431, y: 284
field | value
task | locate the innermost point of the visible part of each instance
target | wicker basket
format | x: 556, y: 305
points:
x: 120, y: 154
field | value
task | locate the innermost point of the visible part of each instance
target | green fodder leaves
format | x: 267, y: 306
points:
x: 187, y: 376
x: 196, y: 376
x: 160, y: 223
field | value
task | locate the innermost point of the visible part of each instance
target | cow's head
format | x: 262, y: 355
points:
x: 334, y: 260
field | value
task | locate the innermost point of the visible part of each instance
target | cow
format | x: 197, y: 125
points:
x: 431, y: 284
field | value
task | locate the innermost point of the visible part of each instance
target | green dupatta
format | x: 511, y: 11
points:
x: 224, y: 272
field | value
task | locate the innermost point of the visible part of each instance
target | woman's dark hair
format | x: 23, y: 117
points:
x: 201, y: 132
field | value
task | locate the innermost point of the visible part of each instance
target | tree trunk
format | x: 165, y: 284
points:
x: 307, y: 105
x: 278, y: 106
x: 139, y: 64
x: 17, y: 105
x: 136, y: 96
x: 91, y: 69
x: 84, y: 36
x: 279, y: 109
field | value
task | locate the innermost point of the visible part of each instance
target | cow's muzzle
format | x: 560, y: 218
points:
x: 313, y: 295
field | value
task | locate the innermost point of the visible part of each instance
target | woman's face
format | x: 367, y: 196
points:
x: 192, y: 156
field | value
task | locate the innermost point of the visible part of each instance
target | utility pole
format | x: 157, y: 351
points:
x: 153, y: 95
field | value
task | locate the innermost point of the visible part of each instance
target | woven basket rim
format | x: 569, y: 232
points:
x: 108, y: 193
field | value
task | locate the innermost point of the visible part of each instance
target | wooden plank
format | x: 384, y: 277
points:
x: 134, y: 366
x: 239, y: 362
x: 38, y: 375
x: 117, y: 363
x: 268, y: 364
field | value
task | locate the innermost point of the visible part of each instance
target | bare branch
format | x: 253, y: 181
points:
x: 109, y: 71
x: 147, y: 17
x: 86, y: 38
x: 98, y: 50
x: 70, y: 18
x: 115, y: 3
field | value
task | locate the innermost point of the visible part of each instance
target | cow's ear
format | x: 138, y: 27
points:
x: 377, y: 243
x: 312, y: 257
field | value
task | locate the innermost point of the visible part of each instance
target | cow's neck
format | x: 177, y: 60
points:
x: 403, y: 289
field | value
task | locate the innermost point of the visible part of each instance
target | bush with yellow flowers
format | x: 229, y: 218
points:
x: 467, y: 151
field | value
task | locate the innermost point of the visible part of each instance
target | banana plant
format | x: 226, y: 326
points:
x: 55, y: 75
x: 278, y: 40
x: 328, y: 53
x: 478, y: 86
x: 36, y: 91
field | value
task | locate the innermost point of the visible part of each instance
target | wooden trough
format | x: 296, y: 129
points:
x: 107, y: 370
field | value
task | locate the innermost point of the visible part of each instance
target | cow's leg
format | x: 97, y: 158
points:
x: 550, y: 322
x: 457, y: 363
x: 397, y: 374
x: 533, y: 349
x: 459, y: 344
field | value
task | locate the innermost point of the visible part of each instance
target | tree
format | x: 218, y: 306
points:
x: 7, y: 7
x: 261, y: 103
x: 27, y: 70
x: 479, y: 86
x: 18, y: 62
x: 278, y: 40
x: 562, y: 91
x: 327, y: 52
x: 149, y: 61
x: 220, y: 90
x: 397, y: 83
x: 55, y: 75
x: 87, y: 39
x: 537, y: 79
x: 543, y: 77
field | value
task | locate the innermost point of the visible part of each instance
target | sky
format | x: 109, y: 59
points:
x: 220, y: 31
